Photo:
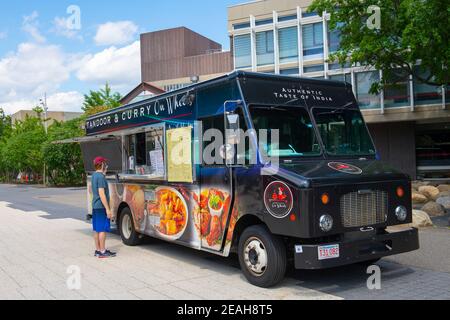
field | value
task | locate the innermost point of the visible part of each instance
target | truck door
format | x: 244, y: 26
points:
x: 216, y: 192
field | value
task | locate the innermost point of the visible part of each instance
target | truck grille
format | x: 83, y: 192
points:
x: 364, y: 208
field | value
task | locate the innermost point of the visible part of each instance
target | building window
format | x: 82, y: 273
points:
x: 342, y: 77
x: 288, y: 43
x: 338, y: 66
x: 243, y: 51
x: 292, y: 71
x: 313, y: 40
x: 287, y: 18
x: 397, y: 94
x: 314, y: 68
x: 309, y: 14
x: 424, y: 93
x: 241, y: 26
x: 265, y: 48
x: 263, y: 22
x: 334, y: 40
x: 173, y: 87
x: 364, y: 81
x: 433, y: 146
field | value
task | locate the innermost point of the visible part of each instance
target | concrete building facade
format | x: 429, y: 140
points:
x: 59, y: 116
x: 174, y: 58
x: 410, y: 122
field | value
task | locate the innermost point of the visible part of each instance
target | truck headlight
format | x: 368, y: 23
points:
x: 326, y: 223
x: 401, y: 213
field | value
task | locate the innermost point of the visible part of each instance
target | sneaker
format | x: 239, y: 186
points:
x: 97, y: 253
x: 112, y: 254
x: 107, y: 254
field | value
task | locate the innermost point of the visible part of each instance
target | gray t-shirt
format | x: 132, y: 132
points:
x: 99, y: 182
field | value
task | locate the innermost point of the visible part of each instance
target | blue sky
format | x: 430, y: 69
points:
x: 40, y: 53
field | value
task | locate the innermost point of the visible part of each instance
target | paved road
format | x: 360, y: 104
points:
x: 43, y: 232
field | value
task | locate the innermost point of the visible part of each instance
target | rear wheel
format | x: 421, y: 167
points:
x: 262, y: 257
x: 126, y: 227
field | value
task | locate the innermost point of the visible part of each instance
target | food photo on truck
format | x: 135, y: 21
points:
x: 295, y: 180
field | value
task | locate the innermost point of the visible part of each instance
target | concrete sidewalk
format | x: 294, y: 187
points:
x: 36, y: 253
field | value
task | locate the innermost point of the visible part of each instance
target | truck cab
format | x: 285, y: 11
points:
x: 328, y: 199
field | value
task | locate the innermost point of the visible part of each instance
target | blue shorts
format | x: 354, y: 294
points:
x: 100, y: 221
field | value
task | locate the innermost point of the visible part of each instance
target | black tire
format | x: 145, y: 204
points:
x: 130, y: 238
x: 275, y: 250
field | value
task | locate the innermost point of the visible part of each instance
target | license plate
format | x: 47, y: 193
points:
x: 329, y: 252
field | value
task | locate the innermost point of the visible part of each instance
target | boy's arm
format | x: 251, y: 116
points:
x: 102, y: 194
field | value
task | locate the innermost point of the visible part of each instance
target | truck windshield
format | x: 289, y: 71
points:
x: 297, y: 137
x: 344, y: 132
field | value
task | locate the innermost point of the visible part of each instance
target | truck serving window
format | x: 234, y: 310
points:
x: 297, y: 137
x: 144, y: 153
x: 344, y: 132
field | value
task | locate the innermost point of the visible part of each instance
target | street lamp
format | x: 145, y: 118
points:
x: 43, y: 103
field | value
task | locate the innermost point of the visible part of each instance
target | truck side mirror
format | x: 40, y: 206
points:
x: 232, y: 138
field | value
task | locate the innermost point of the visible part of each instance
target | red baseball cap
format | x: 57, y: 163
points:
x: 99, y: 160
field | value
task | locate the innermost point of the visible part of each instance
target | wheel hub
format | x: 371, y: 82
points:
x: 255, y: 257
x: 126, y: 226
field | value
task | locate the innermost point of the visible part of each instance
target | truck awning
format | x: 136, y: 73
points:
x: 87, y: 139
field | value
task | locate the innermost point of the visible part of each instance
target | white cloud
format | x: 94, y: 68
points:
x: 120, y: 67
x: 25, y: 75
x: 32, y: 70
x: 115, y: 33
x: 30, y: 25
x: 71, y: 101
x: 61, y: 27
x: 65, y: 101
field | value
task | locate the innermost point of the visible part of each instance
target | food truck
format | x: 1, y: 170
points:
x: 312, y: 195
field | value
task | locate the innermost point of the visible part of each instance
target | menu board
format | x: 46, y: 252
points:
x: 179, y: 154
x: 157, y: 161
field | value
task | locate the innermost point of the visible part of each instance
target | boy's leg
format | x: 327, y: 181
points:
x: 97, y: 241
x: 102, y: 241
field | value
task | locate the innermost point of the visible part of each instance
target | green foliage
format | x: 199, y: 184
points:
x: 21, y: 149
x: 64, y: 161
x: 5, y: 124
x: 5, y: 132
x: 98, y: 101
x: 24, y: 148
x: 411, y: 31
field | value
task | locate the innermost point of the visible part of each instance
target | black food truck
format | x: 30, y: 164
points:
x: 298, y: 183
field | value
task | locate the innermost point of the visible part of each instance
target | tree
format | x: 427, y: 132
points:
x: 64, y: 161
x: 5, y: 123
x: 98, y: 101
x: 5, y: 132
x: 21, y: 152
x: 411, y: 31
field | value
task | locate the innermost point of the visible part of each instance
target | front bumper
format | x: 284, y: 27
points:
x: 354, y: 251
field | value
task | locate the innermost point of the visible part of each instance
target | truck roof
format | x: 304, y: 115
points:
x: 231, y: 76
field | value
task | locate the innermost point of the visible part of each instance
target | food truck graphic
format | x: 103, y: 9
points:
x: 325, y: 202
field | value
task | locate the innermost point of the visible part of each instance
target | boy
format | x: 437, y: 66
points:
x: 101, y: 212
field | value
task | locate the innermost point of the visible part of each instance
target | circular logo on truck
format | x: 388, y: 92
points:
x: 345, y: 168
x: 278, y: 199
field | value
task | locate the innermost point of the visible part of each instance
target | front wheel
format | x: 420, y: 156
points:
x: 127, y: 231
x: 262, y: 257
